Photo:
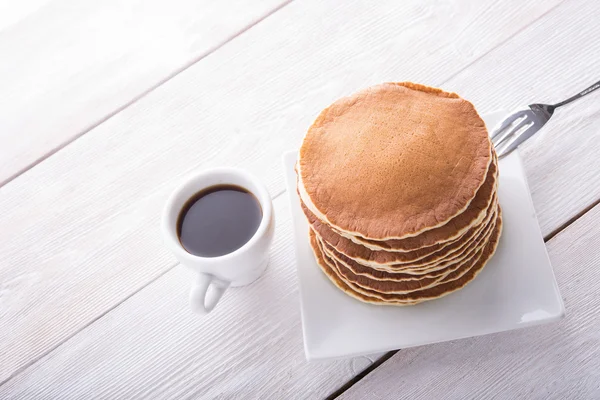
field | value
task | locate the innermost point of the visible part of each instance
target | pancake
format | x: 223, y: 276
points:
x: 405, y: 286
x: 448, y: 232
x: 410, y: 272
x: 402, y: 286
x: 416, y: 273
x: 420, y: 269
x: 375, y: 258
x: 339, y: 283
x: 365, y: 285
x: 394, y: 152
x: 447, y: 283
x: 438, y: 291
x: 435, y: 262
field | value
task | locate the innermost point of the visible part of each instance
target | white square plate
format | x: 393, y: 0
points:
x: 516, y: 289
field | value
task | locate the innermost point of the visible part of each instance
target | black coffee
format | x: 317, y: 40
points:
x: 218, y: 220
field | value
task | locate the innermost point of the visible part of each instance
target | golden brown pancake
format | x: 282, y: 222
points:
x: 446, y: 233
x: 375, y: 258
x: 436, y: 265
x: 430, y: 263
x: 365, y: 285
x: 411, y: 273
x: 396, y: 152
x: 443, y: 267
x: 335, y: 279
x: 370, y: 296
x: 447, y: 282
x: 403, y: 286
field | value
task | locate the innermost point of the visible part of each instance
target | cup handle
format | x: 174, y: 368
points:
x: 200, y: 300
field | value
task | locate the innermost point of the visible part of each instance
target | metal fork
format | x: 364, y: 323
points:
x: 521, y: 125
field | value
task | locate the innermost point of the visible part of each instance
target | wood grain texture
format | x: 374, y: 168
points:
x: 556, y: 361
x: 154, y: 347
x: 549, y: 61
x: 92, y: 209
x: 66, y: 65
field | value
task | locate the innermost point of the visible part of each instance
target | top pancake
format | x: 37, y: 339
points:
x: 451, y: 230
x: 393, y: 161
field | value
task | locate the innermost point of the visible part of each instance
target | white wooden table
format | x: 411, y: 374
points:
x: 104, y: 106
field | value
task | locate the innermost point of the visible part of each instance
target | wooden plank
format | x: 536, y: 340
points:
x: 550, y: 61
x: 67, y: 65
x: 92, y: 209
x: 251, y: 344
x: 556, y: 361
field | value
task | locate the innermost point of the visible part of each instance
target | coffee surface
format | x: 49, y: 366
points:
x: 218, y: 220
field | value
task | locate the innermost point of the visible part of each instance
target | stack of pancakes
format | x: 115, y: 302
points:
x: 399, y: 185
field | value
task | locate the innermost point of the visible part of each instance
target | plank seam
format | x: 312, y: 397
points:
x: 360, y: 376
x: 564, y: 226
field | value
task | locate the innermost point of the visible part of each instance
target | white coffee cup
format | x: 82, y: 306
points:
x: 238, y: 268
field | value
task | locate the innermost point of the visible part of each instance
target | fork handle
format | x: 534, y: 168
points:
x: 579, y: 95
